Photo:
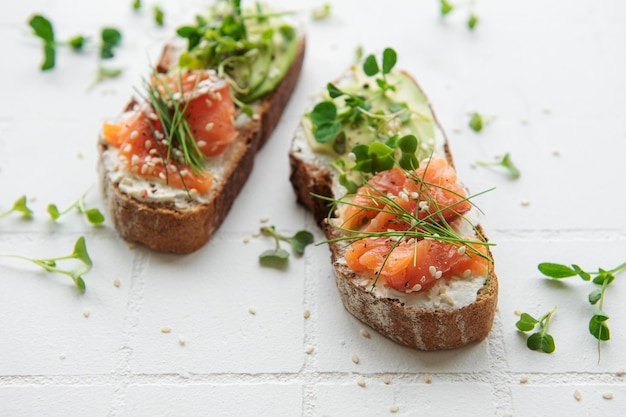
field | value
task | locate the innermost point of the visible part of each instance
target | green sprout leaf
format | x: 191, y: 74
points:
x: 93, y: 215
x: 103, y: 74
x: 594, y: 296
x: 111, y: 38
x: 137, y: 5
x: 77, y: 43
x: 389, y: 60
x: 445, y: 7
x: 370, y: 66
x: 507, y: 163
x: 526, y: 322
x: 557, y: 271
x: 52, y: 264
x: 301, y: 240
x: 541, y: 339
x: 278, y: 256
x: 19, y: 206
x: 159, y: 15
x: 472, y: 21
x: 321, y: 12
x: 42, y: 28
x: 476, y: 122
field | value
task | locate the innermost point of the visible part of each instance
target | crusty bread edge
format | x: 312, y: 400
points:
x: 423, y: 329
x: 165, y: 228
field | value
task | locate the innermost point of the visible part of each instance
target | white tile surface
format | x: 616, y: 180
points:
x: 551, y: 73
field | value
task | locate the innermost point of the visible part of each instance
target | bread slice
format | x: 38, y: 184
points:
x: 429, y: 326
x: 170, y: 227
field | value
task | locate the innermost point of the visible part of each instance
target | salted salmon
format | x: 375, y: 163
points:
x: 397, y: 200
x: 143, y: 143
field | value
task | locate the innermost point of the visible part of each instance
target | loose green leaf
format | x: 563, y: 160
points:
x: 278, y: 257
x: 322, y: 12
x: 137, y: 5
x: 42, y: 28
x: 476, y: 122
x: 111, y: 38
x: 541, y: 341
x: 159, y: 15
x: 370, y: 66
x: 598, y: 327
x: 105, y: 73
x: 77, y: 43
x: 389, y: 60
x: 507, y: 163
x: 472, y: 21
x: 19, y: 206
x: 445, y: 7
x: 53, y: 211
x: 594, y: 296
x: 94, y: 216
x: 301, y: 240
x: 554, y: 270
x: 526, y: 322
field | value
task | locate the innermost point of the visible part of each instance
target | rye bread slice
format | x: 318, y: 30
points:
x: 417, y: 327
x: 166, y: 228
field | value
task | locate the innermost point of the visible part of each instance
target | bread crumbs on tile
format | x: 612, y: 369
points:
x: 256, y: 234
x: 428, y: 378
x: 365, y: 333
x: 355, y: 359
x: 577, y: 395
x: 165, y: 329
x: 556, y: 152
x: 132, y: 245
x: 116, y: 283
x: 524, y: 121
x: 621, y: 373
x: 306, y: 314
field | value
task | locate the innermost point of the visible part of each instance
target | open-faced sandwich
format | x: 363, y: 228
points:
x: 373, y: 165
x: 172, y: 164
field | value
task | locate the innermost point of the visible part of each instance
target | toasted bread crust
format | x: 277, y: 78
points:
x: 424, y: 328
x: 165, y: 228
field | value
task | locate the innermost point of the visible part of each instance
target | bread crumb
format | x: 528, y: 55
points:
x: 355, y: 359
x: 361, y: 382
x: 308, y: 350
x: 116, y: 283
x: 394, y: 409
x: 577, y: 395
x: 607, y: 395
x: 252, y: 310
x: 473, y: 165
x: 165, y: 329
x: 86, y: 313
x: 181, y: 340
x: 523, y: 379
x: 365, y: 333
x: 306, y: 314
x: 386, y: 379
x: 428, y: 378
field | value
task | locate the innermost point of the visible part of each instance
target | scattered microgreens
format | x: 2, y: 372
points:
x: 159, y: 15
x: 597, y: 324
x: 278, y: 256
x: 19, y: 206
x: 94, y: 216
x: 111, y: 38
x: 541, y: 339
x: 445, y: 7
x: 371, y: 68
x: 50, y: 264
x: 103, y: 74
x: 321, y: 12
x: 42, y: 28
x: 137, y: 5
x: 222, y: 42
x: 358, y: 53
x: 505, y: 163
x: 77, y: 42
x: 176, y: 130
x: 476, y: 122
x: 431, y: 226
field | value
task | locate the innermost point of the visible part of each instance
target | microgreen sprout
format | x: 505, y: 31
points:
x: 43, y: 29
x: 445, y: 7
x: 321, y: 12
x: 597, y: 324
x: 541, y: 339
x: 93, y: 215
x: 159, y: 15
x: 278, y: 256
x: 20, y: 206
x: 371, y: 68
x: 137, y: 5
x: 103, y: 74
x: 505, y: 163
x: 111, y: 38
x: 51, y: 264
x: 476, y: 122
x: 472, y: 21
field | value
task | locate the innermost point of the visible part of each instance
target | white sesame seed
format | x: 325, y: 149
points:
x: 415, y: 195
x: 523, y: 379
x: 181, y: 340
x: 437, y: 302
x: 524, y: 121
x: 428, y: 378
x: 547, y: 110
x: 467, y: 273
x: 394, y: 409
x: 432, y: 270
x: 153, y: 116
x: 165, y: 329
x: 577, y: 395
x: 308, y: 350
x: 127, y: 148
x: 607, y: 395
x: 416, y: 287
x: 208, y: 102
x: 361, y: 382
x: 134, y: 134
x: 218, y: 95
x: 447, y: 299
x: 256, y: 116
x: 621, y: 373
x: 247, y: 239
x: 556, y: 152
x: 252, y: 310
x: 365, y: 333
x: 86, y: 313
x: 144, y: 169
x: 193, y: 191
x: 209, y: 126
x: 162, y: 175
x: 386, y: 379
x: 79, y: 154
x: 461, y: 250
x: 264, y: 219
x: 306, y: 314
x: 160, y: 135
x: 256, y: 234
x: 191, y: 77
x: 355, y: 359
x: 171, y: 168
x: 134, y: 160
x: 456, y: 130
x: 116, y: 283
x: 438, y: 274
x: 525, y: 203
x: 201, y: 143
x: 148, y: 144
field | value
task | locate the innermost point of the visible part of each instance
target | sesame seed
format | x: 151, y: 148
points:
x: 447, y: 299
x: 252, y: 310
x: 116, y: 283
x: 428, y: 378
x: 461, y: 250
x: 193, y: 191
x: 386, y: 379
x: 209, y: 126
x: 524, y: 121
x: 256, y: 116
x: 79, y: 154
x: 134, y: 134
x: 525, y: 203
x: 308, y: 350
x: 361, y: 382
x: 438, y: 274
x: 456, y: 130
x: 264, y: 219
x: 218, y: 95
x: 191, y: 77
x: 247, y: 239
x: 416, y: 287
x: 182, y: 341
x: 394, y: 409
x: 153, y: 116
x: 517, y: 312
x: 148, y: 144
x: 208, y: 102
x: 160, y: 135
x: 556, y: 152
x: 201, y: 143
x: 523, y: 379
x: 577, y: 395
x: 306, y: 314
x: 127, y: 148
x: 86, y: 313
x: 432, y: 270
x: 547, y: 110
x: 607, y: 395
x: 437, y: 302
x: 144, y: 169
x: 165, y: 329
x: 365, y: 333
x: 256, y: 234
x: 355, y: 359
x: 621, y: 373
x: 467, y: 273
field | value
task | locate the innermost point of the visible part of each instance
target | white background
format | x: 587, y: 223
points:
x: 550, y: 73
